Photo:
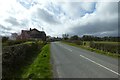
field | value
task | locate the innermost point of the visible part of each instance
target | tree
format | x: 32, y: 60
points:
x: 65, y: 36
x: 87, y: 38
x: 4, y: 39
x: 75, y: 37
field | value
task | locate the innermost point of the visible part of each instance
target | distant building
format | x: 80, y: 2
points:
x: 52, y: 39
x: 32, y: 34
x: 13, y: 36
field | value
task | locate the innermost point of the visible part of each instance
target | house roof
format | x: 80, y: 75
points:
x: 29, y: 31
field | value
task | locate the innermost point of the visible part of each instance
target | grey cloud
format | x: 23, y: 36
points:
x: 13, y: 21
x: 4, y: 28
x: 5, y: 33
x: 107, y: 33
x: 47, y: 17
x: 96, y: 28
x: 27, y: 4
x: 76, y: 10
x: 107, y: 7
x: 100, y: 25
x: 24, y: 22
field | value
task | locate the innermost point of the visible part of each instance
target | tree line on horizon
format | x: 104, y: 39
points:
x: 90, y: 38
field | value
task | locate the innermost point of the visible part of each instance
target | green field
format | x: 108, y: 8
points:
x: 106, y: 42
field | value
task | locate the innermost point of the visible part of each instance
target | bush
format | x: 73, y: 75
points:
x: 4, y: 39
x: 92, y: 44
x: 84, y: 43
x: 78, y: 42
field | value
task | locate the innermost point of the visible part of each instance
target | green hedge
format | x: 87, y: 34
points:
x: 12, y: 42
x: 14, y: 57
x: 113, y: 48
x: 78, y: 42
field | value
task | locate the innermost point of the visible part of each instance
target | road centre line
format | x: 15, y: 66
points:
x: 99, y: 65
x: 66, y: 48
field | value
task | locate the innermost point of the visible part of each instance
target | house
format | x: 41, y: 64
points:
x: 13, y: 36
x: 32, y: 34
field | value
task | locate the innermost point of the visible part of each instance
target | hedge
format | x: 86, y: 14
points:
x: 78, y: 42
x: 14, y: 57
x: 12, y: 42
x: 113, y: 48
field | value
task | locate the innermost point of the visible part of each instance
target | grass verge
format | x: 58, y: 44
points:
x: 94, y: 50
x: 41, y: 67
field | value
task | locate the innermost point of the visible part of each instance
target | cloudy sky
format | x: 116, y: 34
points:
x: 91, y: 17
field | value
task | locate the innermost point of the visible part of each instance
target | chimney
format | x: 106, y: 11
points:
x: 30, y: 29
x: 22, y: 31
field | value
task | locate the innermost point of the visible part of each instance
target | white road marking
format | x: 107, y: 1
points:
x: 100, y: 65
x: 65, y: 47
x: 68, y: 49
x: 59, y: 73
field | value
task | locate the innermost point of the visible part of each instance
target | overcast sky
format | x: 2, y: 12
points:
x: 63, y: 16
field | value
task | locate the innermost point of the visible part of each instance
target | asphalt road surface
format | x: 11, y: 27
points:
x: 73, y: 62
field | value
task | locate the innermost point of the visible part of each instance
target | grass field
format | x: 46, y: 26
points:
x: 86, y: 46
x: 106, y: 42
x: 41, y: 67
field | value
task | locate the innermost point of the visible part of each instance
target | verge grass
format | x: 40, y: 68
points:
x: 41, y: 67
x: 93, y: 50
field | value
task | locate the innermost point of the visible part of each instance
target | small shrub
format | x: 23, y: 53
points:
x: 84, y: 43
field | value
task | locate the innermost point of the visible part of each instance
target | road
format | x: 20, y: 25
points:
x: 73, y: 62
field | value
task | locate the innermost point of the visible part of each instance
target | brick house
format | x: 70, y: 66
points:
x: 32, y: 34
